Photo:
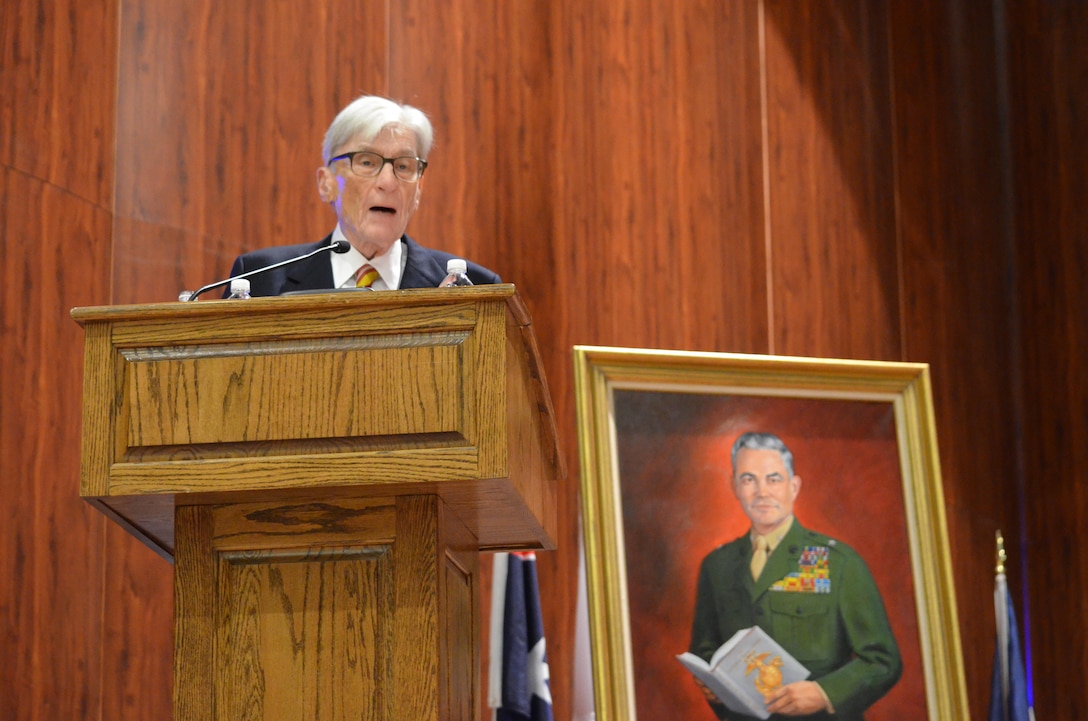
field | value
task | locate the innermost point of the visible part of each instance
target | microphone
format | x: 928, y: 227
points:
x: 337, y: 246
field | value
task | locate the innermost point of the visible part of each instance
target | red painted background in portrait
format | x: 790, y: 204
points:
x: 673, y: 456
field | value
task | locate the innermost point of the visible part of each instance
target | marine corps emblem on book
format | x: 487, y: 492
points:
x: 769, y: 676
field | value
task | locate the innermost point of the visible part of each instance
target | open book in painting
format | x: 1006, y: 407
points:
x: 746, y: 670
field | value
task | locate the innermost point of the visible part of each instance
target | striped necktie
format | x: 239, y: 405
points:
x: 365, y: 276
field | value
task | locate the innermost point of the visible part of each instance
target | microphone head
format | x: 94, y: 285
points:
x: 341, y: 246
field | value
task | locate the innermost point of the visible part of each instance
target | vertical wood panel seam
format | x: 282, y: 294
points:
x: 897, y: 206
x: 111, y: 281
x: 388, y: 49
x: 764, y: 122
x: 98, y: 710
x: 1014, y: 345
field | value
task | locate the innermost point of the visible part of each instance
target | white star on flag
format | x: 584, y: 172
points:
x: 539, y: 672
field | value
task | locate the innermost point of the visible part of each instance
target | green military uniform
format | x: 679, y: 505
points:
x: 815, y: 597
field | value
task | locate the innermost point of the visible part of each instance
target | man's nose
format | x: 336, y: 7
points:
x: 386, y: 178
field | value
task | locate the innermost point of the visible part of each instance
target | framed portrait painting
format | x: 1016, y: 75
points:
x: 656, y: 434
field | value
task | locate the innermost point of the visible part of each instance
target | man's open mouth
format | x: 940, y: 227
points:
x: 382, y: 209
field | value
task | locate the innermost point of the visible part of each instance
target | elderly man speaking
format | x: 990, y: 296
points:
x: 374, y: 156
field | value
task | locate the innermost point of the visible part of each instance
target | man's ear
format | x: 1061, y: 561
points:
x: 327, y: 187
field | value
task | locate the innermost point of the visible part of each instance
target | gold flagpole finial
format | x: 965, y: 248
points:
x: 1001, y: 557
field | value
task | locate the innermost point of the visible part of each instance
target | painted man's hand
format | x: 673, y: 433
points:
x: 797, y: 699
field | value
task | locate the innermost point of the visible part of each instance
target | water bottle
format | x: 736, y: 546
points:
x: 456, y: 273
x: 239, y: 289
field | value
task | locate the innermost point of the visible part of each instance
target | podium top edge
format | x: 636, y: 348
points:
x: 301, y: 303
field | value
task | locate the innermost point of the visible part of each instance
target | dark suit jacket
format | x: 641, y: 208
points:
x: 842, y: 635
x: 425, y: 268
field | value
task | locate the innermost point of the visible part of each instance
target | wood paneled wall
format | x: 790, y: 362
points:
x: 56, y: 167
x: 1048, y: 93
x: 955, y: 259
x: 849, y: 178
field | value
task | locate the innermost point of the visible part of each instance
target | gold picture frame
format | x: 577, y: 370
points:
x: 649, y: 424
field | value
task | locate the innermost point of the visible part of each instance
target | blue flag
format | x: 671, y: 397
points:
x: 1009, y: 690
x: 523, y: 678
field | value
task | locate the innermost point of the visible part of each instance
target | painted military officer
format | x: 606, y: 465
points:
x: 812, y: 594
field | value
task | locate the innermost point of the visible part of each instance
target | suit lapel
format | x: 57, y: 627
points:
x: 312, y: 274
x: 420, y: 269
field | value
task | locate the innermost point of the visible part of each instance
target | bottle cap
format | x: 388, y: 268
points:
x: 456, y: 265
x: 239, y: 284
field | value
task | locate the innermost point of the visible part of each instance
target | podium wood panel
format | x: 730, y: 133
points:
x: 320, y: 395
x: 356, y: 609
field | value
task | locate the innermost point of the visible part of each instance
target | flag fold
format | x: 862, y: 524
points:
x: 518, y: 688
x: 1009, y: 689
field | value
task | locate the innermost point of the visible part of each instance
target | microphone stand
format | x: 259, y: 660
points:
x: 339, y: 246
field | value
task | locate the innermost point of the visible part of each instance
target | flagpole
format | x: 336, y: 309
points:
x: 1001, y: 615
x: 1010, y: 695
x: 498, y: 606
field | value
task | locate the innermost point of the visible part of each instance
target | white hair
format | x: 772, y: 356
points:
x: 368, y: 115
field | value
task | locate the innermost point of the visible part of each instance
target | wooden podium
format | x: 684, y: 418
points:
x: 323, y: 470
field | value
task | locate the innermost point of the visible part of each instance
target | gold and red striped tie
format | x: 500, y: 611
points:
x: 365, y: 276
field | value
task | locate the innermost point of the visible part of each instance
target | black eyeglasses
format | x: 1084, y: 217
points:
x: 369, y: 165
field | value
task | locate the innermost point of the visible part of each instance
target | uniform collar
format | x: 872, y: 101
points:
x: 774, y: 537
